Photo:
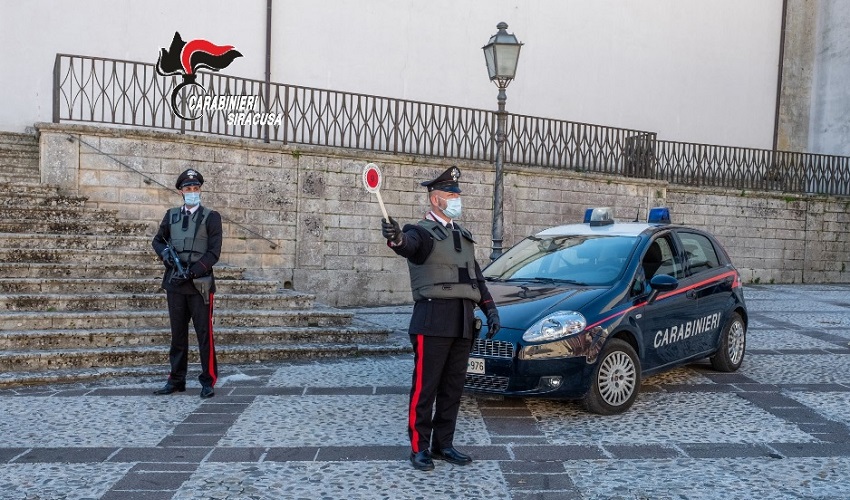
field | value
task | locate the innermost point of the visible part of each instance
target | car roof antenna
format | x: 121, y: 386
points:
x: 637, y: 215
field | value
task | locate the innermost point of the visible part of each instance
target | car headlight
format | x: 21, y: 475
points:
x: 555, y: 326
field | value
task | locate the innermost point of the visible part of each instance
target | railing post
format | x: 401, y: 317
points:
x: 395, y: 128
x: 57, y: 65
x: 285, y: 111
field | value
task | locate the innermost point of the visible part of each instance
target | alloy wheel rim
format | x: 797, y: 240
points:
x: 617, y: 378
x: 736, y: 342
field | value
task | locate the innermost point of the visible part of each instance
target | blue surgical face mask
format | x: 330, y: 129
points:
x: 192, y: 199
x: 453, y: 208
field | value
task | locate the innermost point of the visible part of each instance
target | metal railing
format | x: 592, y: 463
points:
x: 91, y: 89
x: 748, y: 168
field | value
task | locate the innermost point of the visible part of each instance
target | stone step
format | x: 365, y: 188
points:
x: 126, y: 285
x: 140, y: 301
x: 16, y: 170
x: 157, y: 369
x: 148, y: 355
x: 150, y: 268
x: 20, y: 169
x: 77, y: 242
x: 63, y: 320
x: 54, y: 340
x: 57, y: 214
x: 28, y: 189
x: 56, y: 256
x: 24, y: 199
x: 19, y: 158
x: 72, y: 227
x: 10, y: 139
x: 10, y: 174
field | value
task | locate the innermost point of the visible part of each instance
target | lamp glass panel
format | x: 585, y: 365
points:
x: 507, y: 57
x: 489, y: 58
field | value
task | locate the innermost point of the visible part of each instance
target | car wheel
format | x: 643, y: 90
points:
x: 616, y: 380
x: 733, y: 344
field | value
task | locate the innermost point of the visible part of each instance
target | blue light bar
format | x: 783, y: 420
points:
x: 658, y: 215
x: 600, y: 216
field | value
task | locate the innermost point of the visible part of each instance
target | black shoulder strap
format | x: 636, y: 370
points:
x: 465, y: 232
x: 435, y: 229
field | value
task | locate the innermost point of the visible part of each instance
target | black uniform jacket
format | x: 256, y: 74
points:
x: 440, y: 317
x: 204, y: 265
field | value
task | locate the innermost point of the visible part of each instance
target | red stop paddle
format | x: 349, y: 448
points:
x: 372, y: 181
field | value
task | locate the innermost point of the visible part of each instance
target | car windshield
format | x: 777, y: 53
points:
x: 578, y: 259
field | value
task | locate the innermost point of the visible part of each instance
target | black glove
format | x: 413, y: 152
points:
x: 391, y: 231
x: 493, y: 324
x: 197, y: 270
x: 165, y: 259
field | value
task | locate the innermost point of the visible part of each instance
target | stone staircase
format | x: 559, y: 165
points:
x: 80, y: 296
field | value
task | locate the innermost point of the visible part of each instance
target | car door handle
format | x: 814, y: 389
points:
x: 691, y: 294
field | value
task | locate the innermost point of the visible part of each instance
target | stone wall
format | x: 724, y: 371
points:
x: 772, y: 238
x: 310, y: 202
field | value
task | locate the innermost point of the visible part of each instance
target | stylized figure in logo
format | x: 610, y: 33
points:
x: 186, y: 58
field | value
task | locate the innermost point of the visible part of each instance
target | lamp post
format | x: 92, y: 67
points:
x: 501, y: 55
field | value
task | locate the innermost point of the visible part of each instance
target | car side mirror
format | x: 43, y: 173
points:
x: 661, y: 283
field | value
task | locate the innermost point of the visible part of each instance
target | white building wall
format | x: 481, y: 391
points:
x: 690, y: 70
x: 830, y: 123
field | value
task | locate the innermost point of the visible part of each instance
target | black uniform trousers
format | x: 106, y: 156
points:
x: 439, y: 374
x: 181, y: 309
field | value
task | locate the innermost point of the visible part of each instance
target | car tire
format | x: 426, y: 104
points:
x: 616, y: 380
x: 733, y: 345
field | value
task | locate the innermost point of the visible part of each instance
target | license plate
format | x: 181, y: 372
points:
x: 475, y: 365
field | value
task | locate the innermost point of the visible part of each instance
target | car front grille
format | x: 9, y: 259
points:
x: 493, y: 348
x: 486, y: 383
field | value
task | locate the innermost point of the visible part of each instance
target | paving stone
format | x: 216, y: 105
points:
x: 349, y: 480
x: 175, y: 454
x: 512, y: 426
x: 337, y: 428
x: 152, y: 480
x: 237, y: 454
x: 515, y: 467
x: 724, y: 450
x: 561, y: 453
x: 559, y: 481
x: 7, y: 454
x: 358, y: 453
x: 137, y: 495
x: 185, y: 440
x: 66, y: 455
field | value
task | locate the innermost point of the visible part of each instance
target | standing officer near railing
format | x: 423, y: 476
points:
x: 194, y: 234
x: 447, y: 284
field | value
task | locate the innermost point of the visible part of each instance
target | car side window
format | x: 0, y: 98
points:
x: 661, y: 259
x: 699, y: 253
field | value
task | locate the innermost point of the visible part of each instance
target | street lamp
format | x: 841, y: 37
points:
x: 501, y: 55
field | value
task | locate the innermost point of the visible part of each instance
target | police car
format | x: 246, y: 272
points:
x: 589, y: 309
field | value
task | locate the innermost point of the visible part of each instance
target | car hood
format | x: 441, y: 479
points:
x: 521, y: 305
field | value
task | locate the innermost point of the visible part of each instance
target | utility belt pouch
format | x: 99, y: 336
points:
x: 203, y: 285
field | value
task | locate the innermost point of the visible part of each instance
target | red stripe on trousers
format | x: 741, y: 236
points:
x: 417, y: 391
x: 211, y: 358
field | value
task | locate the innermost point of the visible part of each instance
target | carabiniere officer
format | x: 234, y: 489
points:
x: 447, y: 284
x: 194, y: 233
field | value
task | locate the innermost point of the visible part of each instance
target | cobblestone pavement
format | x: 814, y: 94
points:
x: 335, y: 429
